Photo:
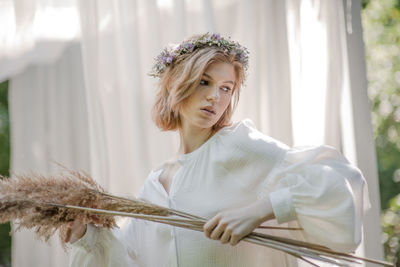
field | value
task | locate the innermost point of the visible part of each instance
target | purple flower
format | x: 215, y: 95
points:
x: 216, y: 36
x: 168, y: 59
x: 168, y: 55
x: 189, y: 46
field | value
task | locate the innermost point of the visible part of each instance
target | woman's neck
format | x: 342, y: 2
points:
x: 191, y: 138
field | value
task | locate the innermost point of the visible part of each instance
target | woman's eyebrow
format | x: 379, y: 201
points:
x: 205, y: 74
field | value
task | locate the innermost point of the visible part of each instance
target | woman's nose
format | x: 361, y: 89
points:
x: 213, y: 93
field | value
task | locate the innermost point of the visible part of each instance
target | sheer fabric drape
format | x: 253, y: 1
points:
x: 35, y: 32
x: 90, y: 109
x: 48, y: 124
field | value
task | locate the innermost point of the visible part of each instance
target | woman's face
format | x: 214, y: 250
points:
x: 210, y: 99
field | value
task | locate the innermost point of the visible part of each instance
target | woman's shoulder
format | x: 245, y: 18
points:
x: 244, y: 134
x: 245, y: 123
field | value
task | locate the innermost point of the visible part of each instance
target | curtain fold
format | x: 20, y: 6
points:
x: 34, y: 32
x: 92, y: 106
x: 46, y: 104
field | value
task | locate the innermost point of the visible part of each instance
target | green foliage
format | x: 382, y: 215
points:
x: 4, y: 130
x: 5, y: 239
x: 391, y: 230
x: 364, y: 3
x: 381, y: 25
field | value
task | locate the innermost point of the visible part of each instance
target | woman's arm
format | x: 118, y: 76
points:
x: 232, y: 225
x: 98, y: 246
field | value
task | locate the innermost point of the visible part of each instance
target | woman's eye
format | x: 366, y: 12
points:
x: 203, y: 82
x: 226, y: 89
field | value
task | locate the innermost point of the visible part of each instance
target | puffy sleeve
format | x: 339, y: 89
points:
x: 103, y: 247
x: 318, y: 187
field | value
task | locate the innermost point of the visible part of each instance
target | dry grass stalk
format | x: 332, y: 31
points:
x: 23, y: 198
x: 50, y: 203
x: 294, y: 247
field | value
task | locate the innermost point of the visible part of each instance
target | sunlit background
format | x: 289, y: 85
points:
x: 381, y: 30
x: 381, y: 23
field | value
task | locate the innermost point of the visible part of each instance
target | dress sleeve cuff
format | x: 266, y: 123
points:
x: 89, y: 239
x: 282, y: 205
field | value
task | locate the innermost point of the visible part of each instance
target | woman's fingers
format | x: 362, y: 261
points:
x: 232, y: 225
x: 218, y: 231
x: 68, y: 235
x: 226, y: 236
x: 210, y: 225
x: 76, y: 229
x: 235, y: 238
x: 223, y: 228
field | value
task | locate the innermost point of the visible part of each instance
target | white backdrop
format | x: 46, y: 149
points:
x: 47, y: 122
x: 90, y: 107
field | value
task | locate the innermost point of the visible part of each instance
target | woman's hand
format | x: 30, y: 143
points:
x: 77, y: 229
x: 232, y: 225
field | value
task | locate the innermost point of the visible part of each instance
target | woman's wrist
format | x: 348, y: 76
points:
x: 266, y: 211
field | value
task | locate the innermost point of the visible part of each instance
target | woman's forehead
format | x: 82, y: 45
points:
x: 220, y: 71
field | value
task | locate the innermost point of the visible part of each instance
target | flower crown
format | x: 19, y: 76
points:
x: 171, y: 54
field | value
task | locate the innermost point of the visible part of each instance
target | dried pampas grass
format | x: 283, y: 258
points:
x: 50, y: 203
x: 30, y: 200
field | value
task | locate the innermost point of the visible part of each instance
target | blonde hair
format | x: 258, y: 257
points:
x: 181, y: 79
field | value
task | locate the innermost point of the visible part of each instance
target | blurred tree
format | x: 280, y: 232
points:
x: 5, y: 239
x: 391, y: 230
x: 381, y: 25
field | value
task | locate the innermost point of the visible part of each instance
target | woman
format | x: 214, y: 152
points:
x: 228, y: 172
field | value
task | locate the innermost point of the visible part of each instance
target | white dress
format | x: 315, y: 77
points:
x: 313, y: 187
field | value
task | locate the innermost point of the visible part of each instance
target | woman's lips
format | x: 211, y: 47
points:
x: 210, y: 109
x: 207, y: 112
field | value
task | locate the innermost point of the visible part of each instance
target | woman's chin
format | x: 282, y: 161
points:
x: 205, y: 124
x: 202, y: 122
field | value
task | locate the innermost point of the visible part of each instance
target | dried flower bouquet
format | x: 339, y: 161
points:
x: 50, y: 203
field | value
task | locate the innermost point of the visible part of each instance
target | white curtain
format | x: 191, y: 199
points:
x: 93, y: 111
x: 48, y: 124
x: 34, y: 32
